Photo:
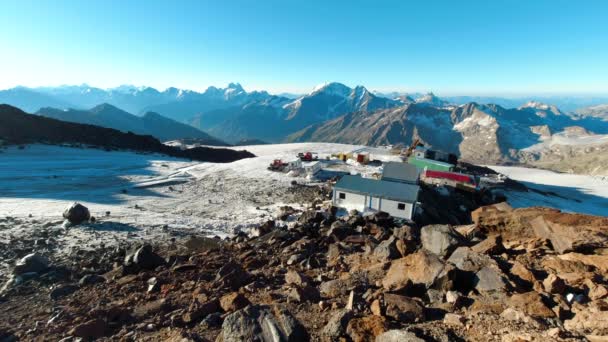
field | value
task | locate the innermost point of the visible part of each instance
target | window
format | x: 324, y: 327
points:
x: 342, y: 195
x: 401, y: 206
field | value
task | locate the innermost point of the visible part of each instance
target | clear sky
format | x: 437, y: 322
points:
x: 449, y: 47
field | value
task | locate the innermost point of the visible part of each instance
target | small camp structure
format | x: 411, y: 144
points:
x: 364, y: 194
x: 312, y: 167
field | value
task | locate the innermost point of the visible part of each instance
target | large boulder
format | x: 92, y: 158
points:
x: 421, y: 267
x: 589, y: 321
x: 440, y: 239
x: 572, y: 232
x: 490, y: 279
x: 77, y: 213
x: 334, y: 288
x: 403, y: 309
x: 232, y: 275
x: 144, y: 257
x: 398, y: 336
x: 262, y: 323
x: 336, y: 327
x: 233, y: 301
x: 387, y: 249
x: 465, y: 259
x: 31, y: 263
x: 532, y: 304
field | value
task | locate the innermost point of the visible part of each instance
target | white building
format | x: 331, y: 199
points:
x: 312, y: 167
x: 364, y: 194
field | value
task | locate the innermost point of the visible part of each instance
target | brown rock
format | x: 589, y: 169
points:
x: 334, y: 288
x: 376, y: 308
x: 531, y: 303
x: 366, y: 328
x: 421, y: 267
x: 595, y: 291
x: 333, y: 254
x: 403, y: 309
x: 454, y: 319
x: 149, y: 309
x: 572, y: 232
x: 90, y: 329
x: 296, y: 278
x: 482, y: 214
x: 233, y: 301
x: 600, y: 262
x: 588, y: 321
x: 554, y: 284
x: 491, y: 245
x: 304, y: 294
x: 522, y: 272
x: 199, y: 311
x: 232, y: 275
x: 468, y: 231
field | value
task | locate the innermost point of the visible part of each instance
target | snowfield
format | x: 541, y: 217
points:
x: 149, y: 196
x: 567, y: 192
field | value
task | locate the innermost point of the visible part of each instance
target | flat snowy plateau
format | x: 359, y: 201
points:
x: 148, y: 196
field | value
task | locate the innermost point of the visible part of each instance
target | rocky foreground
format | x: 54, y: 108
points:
x: 531, y: 274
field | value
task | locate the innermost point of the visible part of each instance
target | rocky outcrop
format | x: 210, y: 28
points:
x: 262, y: 323
x: 323, y: 278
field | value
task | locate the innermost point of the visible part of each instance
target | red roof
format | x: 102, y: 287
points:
x: 458, y: 177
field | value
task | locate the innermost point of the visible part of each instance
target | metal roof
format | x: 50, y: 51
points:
x: 401, y: 172
x: 378, y: 188
x: 430, y: 161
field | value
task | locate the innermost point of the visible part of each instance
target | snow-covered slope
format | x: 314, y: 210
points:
x: 567, y: 192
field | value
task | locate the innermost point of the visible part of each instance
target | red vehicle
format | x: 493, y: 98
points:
x: 277, y: 165
x: 308, y: 156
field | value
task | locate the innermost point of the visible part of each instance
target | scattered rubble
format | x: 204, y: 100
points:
x: 514, y: 275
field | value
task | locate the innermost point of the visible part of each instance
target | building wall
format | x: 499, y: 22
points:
x: 352, y: 201
x: 362, y: 203
x: 390, y: 207
x: 373, y: 202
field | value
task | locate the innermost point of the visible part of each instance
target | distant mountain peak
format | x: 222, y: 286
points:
x: 431, y: 99
x: 332, y: 88
x: 235, y: 86
x: 542, y: 109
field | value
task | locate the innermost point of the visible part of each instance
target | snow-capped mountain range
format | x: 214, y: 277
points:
x: 334, y: 112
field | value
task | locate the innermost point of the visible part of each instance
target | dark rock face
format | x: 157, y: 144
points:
x: 62, y: 291
x: 77, y: 213
x: 31, y: 263
x: 18, y: 127
x: 262, y: 323
x: 144, y: 258
x: 91, y: 279
x: 232, y: 275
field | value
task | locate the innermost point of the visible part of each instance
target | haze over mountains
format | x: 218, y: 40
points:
x: 106, y: 115
x: 334, y: 112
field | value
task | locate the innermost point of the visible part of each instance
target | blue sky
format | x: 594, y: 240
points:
x: 450, y: 47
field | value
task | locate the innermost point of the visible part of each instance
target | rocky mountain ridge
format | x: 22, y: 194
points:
x: 475, y: 132
x: 18, y: 127
x: 106, y: 115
